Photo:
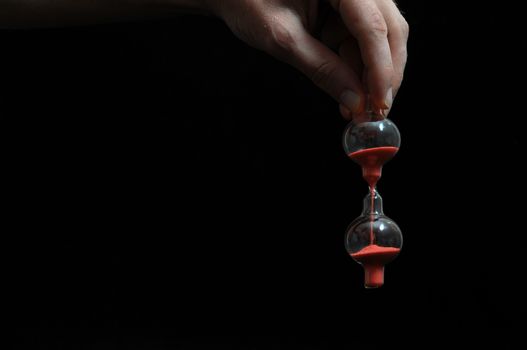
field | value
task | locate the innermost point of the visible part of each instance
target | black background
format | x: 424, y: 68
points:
x: 166, y: 186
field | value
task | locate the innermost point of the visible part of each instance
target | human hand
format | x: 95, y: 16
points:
x: 361, y: 49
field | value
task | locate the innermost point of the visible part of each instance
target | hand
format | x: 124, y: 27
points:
x: 361, y: 49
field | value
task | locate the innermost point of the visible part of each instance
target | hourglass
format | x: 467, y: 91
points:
x: 373, y: 239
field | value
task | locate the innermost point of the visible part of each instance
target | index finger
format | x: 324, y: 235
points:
x: 366, y: 23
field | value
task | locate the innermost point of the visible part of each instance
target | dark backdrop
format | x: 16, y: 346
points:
x: 166, y: 186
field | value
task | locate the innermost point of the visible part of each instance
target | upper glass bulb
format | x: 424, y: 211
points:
x: 371, y: 142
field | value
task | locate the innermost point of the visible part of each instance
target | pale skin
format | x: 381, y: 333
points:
x: 351, y: 49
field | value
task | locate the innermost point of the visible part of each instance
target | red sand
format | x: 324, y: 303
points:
x: 373, y: 258
x: 372, y: 214
x: 371, y: 160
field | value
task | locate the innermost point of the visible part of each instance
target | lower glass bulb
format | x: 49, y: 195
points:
x: 373, y: 240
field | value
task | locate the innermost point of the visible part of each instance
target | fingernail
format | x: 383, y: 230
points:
x: 379, y: 114
x: 351, y: 101
x: 388, y: 100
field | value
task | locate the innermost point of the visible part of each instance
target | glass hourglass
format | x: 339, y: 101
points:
x: 373, y: 239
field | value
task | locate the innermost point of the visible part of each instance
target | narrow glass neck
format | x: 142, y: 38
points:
x: 374, y: 207
x: 368, y: 115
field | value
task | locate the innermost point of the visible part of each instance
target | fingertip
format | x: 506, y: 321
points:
x: 346, y: 113
x: 383, y: 114
x: 354, y: 102
x: 360, y: 117
x: 382, y: 101
x: 388, y: 99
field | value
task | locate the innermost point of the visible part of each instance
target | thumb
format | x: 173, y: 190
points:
x: 324, y: 67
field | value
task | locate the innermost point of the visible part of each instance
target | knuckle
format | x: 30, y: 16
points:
x: 405, y: 27
x: 398, y: 78
x: 322, y: 74
x: 388, y: 72
x: 400, y: 59
x: 404, y: 56
x: 279, y: 36
x: 377, y: 24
